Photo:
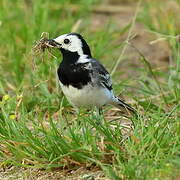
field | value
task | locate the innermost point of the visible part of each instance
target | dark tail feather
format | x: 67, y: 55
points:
x: 121, y: 104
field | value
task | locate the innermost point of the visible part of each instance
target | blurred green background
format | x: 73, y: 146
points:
x: 139, y: 38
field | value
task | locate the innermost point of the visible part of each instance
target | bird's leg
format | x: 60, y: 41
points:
x: 81, y: 114
x: 76, y: 110
x: 98, y: 114
x: 78, y: 113
x: 100, y: 111
x: 97, y: 111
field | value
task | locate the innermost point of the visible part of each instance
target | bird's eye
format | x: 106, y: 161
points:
x: 66, y: 41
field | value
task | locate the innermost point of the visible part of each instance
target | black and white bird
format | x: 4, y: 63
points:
x: 84, y: 81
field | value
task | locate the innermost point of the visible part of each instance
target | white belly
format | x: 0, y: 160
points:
x: 89, y: 96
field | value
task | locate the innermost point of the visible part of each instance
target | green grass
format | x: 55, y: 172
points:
x: 37, y: 127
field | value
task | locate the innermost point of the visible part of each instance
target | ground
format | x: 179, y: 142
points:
x: 30, y: 94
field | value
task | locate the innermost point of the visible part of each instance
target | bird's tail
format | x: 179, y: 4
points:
x: 123, y: 106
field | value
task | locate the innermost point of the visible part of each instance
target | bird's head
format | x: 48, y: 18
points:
x: 70, y: 43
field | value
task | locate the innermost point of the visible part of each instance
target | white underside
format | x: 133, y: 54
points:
x: 88, y: 96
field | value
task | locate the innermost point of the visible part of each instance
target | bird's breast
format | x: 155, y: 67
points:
x: 88, y: 96
x: 73, y: 75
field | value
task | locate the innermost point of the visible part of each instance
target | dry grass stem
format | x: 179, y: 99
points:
x: 41, y: 44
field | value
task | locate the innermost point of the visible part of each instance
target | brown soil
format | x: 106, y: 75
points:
x: 158, y: 55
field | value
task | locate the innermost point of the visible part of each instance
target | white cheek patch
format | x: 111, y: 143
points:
x: 75, y: 44
x: 60, y: 39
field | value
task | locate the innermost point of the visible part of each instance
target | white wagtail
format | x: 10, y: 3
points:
x: 84, y: 80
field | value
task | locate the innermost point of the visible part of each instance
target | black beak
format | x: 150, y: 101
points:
x: 53, y: 43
